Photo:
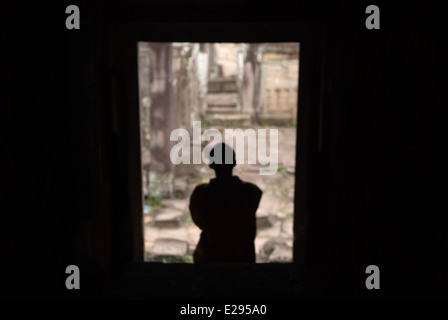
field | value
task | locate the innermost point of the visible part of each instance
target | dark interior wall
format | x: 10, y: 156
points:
x: 377, y: 189
x: 56, y: 160
x: 387, y: 164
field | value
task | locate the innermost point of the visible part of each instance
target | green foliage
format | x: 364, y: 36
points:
x: 281, y: 192
x: 293, y: 123
x: 155, y: 200
x: 193, y: 177
x: 186, y: 218
x: 172, y: 259
x: 281, y: 170
x: 187, y: 259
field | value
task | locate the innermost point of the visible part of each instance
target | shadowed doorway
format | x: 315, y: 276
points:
x: 222, y: 86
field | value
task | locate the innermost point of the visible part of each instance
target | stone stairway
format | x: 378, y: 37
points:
x: 223, y: 103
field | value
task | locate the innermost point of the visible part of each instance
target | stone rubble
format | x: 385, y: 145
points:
x: 171, y: 234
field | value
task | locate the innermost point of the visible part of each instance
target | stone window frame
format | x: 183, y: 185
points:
x: 309, y: 113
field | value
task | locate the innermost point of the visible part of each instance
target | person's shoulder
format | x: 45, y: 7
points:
x: 249, y: 186
x: 199, y: 192
x: 200, y: 188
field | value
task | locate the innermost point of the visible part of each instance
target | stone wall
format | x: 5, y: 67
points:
x: 226, y: 57
x: 279, y: 83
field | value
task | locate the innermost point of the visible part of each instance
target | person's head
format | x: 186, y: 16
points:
x: 222, y: 160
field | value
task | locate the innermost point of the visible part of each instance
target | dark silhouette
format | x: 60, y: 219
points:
x: 224, y: 209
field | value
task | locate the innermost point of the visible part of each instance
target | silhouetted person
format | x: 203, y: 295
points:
x: 224, y: 209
